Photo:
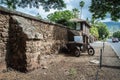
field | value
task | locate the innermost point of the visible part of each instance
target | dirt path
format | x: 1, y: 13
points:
x: 65, y: 67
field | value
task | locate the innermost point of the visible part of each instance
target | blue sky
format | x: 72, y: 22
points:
x: 70, y: 5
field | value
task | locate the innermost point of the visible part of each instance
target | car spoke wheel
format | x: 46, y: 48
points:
x: 91, y: 51
x: 77, y: 52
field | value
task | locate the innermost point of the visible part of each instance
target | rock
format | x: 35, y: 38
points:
x: 45, y: 67
x: 3, y: 34
x: 66, y: 72
x: 42, y: 58
x: 4, y: 70
x: 94, y: 61
x: 47, y: 56
x: 38, y: 36
x: 44, y: 73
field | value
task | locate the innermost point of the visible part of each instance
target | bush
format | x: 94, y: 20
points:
x: 116, y: 34
x: 64, y: 22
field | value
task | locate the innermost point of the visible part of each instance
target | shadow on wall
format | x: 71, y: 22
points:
x: 16, y: 48
x: 60, y: 38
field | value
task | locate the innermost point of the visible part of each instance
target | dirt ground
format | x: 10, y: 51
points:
x: 66, y: 67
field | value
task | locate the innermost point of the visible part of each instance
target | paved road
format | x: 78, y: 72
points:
x: 116, y: 47
x: 97, y: 44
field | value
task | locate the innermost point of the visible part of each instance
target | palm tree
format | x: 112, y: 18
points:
x: 82, y: 3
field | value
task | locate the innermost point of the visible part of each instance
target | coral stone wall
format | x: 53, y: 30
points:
x: 19, y: 49
x: 16, y: 56
x: 53, y: 37
x: 4, y: 25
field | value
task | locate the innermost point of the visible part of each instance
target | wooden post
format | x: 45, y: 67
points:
x: 101, y: 58
x: 103, y: 46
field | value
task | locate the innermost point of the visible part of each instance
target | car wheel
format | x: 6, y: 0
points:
x: 91, y: 51
x: 77, y: 52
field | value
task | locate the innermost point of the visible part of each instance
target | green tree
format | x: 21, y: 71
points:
x: 98, y: 29
x: 76, y: 12
x: 116, y: 34
x: 94, y: 31
x: 62, y: 17
x: 100, y: 8
x: 82, y: 3
x: 47, y: 4
x: 102, y: 30
x: 11, y: 4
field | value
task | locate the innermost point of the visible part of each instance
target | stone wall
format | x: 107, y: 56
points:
x: 23, y: 43
x: 4, y: 28
x: 53, y: 37
x: 16, y: 55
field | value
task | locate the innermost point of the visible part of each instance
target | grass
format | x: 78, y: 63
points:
x: 72, y: 71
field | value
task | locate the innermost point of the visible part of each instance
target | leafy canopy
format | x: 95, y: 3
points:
x: 94, y: 31
x: 47, y: 4
x: 116, y: 34
x: 99, y: 29
x: 100, y: 8
x: 75, y: 12
x: 62, y: 17
x: 82, y: 3
x: 102, y: 30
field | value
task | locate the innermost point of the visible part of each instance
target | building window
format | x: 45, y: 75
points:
x: 84, y: 28
x: 78, y: 26
x: 78, y: 39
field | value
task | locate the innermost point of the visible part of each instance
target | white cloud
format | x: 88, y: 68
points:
x: 31, y: 11
x: 106, y: 20
x: 69, y: 3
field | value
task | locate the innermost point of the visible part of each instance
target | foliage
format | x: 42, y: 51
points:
x: 62, y: 17
x: 67, y: 23
x: 11, y: 4
x: 75, y: 12
x: 73, y: 71
x: 99, y: 29
x: 94, y: 31
x: 100, y: 8
x: 47, y: 4
x: 116, y: 34
x: 82, y: 3
x: 102, y: 30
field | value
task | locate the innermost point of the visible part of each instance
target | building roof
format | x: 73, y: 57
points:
x: 80, y: 21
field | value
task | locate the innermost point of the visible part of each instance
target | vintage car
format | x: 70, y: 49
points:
x: 78, y: 38
x: 77, y: 47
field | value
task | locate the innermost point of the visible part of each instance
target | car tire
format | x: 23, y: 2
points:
x: 77, y: 52
x: 91, y: 51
